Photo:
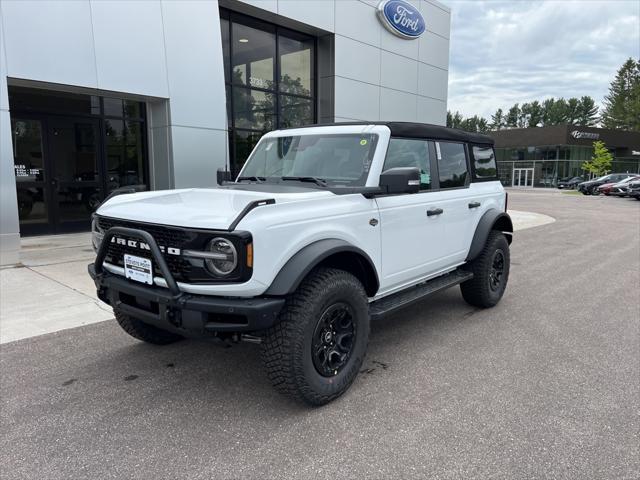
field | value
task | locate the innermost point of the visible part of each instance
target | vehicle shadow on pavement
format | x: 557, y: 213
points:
x: 107, y: 368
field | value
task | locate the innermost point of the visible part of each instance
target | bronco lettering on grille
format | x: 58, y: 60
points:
x: 144, y: 246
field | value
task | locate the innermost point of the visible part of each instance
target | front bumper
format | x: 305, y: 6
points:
x: 174, y: 310
x: 189, y: 315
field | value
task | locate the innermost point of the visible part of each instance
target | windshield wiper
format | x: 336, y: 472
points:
x: 252, y: 179
x: 318, y: 181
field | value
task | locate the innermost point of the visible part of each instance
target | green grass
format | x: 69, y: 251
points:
x: 571, y: 192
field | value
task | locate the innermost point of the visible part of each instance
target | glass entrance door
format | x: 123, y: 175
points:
x: 523, y: 177
x: 30, y: 169
x: 58, y: 178
x: 75, y: 177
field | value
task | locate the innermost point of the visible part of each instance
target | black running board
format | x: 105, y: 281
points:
x: 387, y: 305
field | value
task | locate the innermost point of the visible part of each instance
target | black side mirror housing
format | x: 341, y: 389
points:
x: 223, y: 175
x: 400, y: 180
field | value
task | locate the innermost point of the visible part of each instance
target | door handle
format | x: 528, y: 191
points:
x: 474, y: 204
x: 434, y: 211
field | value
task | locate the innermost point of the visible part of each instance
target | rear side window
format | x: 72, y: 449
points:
x: 484, y: 163
x: 452, y: 164
x: 406, y: 152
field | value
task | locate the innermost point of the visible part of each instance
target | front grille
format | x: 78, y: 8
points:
x: 181, y: 269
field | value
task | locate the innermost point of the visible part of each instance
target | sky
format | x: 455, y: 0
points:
x: 503, y: 52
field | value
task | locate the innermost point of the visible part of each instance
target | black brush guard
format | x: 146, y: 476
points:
x: 170, y: 308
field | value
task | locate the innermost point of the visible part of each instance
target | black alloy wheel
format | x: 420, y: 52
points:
x: 333, y: 339
x: 496, y: 273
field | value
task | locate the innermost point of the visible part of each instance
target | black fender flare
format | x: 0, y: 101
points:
x: 492, y: 219
x: 306, y: 259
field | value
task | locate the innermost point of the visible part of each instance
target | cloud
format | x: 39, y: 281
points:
x: 503, y: 52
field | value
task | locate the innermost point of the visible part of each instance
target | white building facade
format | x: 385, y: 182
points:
x: 98, y: 94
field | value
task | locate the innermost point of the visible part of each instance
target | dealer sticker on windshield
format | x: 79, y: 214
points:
x: 138, y: 269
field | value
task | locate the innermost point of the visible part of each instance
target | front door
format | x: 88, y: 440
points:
x: 411, y: 232
x: 75, y: 176
x: 32, y: 174
x: 58, y: 179
x: 522, y: 177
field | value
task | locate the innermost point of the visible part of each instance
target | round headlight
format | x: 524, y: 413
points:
x: 224, y: 257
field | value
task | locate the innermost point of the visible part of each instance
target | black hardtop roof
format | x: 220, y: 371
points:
x: 418, y: 130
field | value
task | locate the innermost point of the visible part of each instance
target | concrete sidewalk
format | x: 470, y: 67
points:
x: 51, y: 290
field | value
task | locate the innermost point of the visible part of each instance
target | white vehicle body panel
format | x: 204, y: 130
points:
x: 204, y: 208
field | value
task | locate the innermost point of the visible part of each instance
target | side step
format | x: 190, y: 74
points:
x: 387, y: 305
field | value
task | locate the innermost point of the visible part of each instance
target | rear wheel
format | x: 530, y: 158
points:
x: 145, y: 332
x: 315, y: 351
x: 490, y: 273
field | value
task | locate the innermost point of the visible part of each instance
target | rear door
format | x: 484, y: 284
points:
x: 411, y: 237
x: 456, y: 196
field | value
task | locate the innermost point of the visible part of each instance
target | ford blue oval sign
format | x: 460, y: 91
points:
x: 401, y: 18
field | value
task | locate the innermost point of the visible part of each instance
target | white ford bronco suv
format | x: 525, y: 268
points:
x: 324, y: 229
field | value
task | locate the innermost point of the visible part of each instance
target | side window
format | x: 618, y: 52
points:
x: 452, y: 164
x: 484, y: 163
x: 406, y: 152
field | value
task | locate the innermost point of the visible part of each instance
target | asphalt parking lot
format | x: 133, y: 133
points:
x: 545, y: 385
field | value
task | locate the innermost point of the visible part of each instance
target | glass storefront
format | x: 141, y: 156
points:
x: 270, y: 80
x: 70, y: 152
x: 550, y: 164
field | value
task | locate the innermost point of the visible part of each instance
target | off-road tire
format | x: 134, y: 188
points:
x: 145, y: 332
x: 287, y: 346
x: 478, y: 291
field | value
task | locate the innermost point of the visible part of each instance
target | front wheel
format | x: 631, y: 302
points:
x: 143, y: 331
x: 490, y: 273
x: 315, y: 351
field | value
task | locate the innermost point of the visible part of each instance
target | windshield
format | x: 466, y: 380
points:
x: 337, y: 160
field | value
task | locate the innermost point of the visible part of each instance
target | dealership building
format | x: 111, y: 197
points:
x: 541, y: 156
x: 98, y: 94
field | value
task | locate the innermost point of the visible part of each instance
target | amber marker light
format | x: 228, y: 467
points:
x: 250, y: 255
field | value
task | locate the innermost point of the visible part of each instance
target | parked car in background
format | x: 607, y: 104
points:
x: 570, y: 182
x: 633, y: 189
x: 590, y: 186
x: 620, y: 189
x: 606, y: 188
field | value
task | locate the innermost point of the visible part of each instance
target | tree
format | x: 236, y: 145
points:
x: 475, y: 124
x: 534, y: 114
x: 622, y: 104
x: 471, y: 124
x: 587, y: 112
x: 513, y: 115
x: 600, y: 163
x: 497, y: 120
x: 454, y: 120
x: 555, y: 112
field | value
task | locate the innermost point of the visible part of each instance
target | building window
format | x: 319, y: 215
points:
x: 270, y: 81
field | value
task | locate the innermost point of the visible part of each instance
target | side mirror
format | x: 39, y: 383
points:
x: 400, y: 180
x: 223, y: 175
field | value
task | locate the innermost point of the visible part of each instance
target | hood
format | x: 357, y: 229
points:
x: 205, y: 208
